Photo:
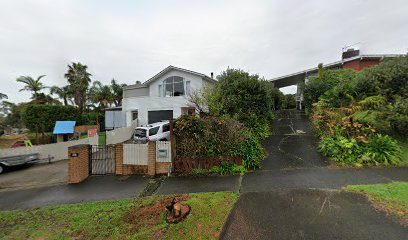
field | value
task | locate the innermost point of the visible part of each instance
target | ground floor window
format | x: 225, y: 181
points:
x: 135, y: 115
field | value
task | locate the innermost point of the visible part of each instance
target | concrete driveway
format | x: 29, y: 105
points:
x: 34, y: 176
x: 297, y: 194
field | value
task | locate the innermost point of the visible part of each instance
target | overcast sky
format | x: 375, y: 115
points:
x: 133, y: 40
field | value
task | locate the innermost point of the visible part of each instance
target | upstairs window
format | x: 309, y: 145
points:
x: 173, y: 86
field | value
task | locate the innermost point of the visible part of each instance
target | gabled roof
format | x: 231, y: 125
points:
x: 64, y: 127
x: 169, y: 68
x: 292, y: 79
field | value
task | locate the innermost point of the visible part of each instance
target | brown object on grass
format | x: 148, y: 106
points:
x: 177, y: 211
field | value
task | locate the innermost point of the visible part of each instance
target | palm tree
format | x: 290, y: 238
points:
x: 3, y: 96
x: 79, y: 80
x: 32, y: 85
x: 101, y: 94
x: 64, y: 93
x: 43, y: 98
x: 117, y: 91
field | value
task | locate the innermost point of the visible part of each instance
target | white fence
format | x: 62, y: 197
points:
x: 135, y: 154
x: 163, y: 151
x: 57, y: 150
x: 120, y: 135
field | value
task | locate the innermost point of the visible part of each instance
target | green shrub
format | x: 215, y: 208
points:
x: 381, y: 149
x: 250, y: 150
x: 206, y: 137
x: 42, y: 118
x: 377, y: 150
x: 341, y: 149
x: 200, y: 171
x: 398, y: 117
x: 228, y: 168
x: 261, y: 129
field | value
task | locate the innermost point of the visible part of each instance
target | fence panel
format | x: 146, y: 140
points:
x: 135, y: 154
x: 163, y: 151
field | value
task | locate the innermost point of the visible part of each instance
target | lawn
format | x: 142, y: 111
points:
x: 102, y: 138
x: 391, y: 198
x: 142, y: 218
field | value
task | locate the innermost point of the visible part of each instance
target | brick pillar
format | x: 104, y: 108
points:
x: 119, y: 159
x: 151, y: 159
x: 78, y: 163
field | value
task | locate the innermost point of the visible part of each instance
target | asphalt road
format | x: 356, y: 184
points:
x: 95, y: 188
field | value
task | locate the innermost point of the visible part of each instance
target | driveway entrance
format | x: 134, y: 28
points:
x: 297, y: 195
x: 34, y: 175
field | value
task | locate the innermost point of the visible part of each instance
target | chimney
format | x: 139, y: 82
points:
x: 349, y: 53
x: 212, y: 75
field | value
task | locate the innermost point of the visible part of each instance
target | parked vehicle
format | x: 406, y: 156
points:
x: 159, y: 131
x: 12, y: 161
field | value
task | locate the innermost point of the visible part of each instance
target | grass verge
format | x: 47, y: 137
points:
x: 391, y: 198
x: 143, y: 218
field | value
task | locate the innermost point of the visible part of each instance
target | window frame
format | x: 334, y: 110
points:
x: 154, y: 128
x: 174, y: 80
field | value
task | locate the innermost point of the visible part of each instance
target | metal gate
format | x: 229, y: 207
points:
x: 102, y: 159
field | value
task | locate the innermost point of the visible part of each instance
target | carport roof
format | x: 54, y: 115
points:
x: 64, y: 127
x: 294, y: 78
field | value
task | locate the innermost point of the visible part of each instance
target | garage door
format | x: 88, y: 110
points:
x: 157, y: 116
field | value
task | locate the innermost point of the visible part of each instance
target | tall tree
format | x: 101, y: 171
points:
x: 43, y: 98
x: 79, y: 80
x: 64, y: 93
x: 101, y: 94
x: 117, y: 91
x: 3, y: 96
x: 32, y: 85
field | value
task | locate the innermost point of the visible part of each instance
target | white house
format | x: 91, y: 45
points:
x: 162, y: 97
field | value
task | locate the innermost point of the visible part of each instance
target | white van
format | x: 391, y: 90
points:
x: 159, y: 131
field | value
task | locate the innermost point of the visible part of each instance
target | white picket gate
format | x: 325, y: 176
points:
x: 135, y: 154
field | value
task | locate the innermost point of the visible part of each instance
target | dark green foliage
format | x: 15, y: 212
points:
x: 210, y: 136
x: 250, y: 150
x: 288, y: 101
x: 327, y: 80
x: 245, y: 97
x: 389, y: 79
x: 92, y: 118
x: 207, y: 136
x: 42, y: 118
x: 398, y: 117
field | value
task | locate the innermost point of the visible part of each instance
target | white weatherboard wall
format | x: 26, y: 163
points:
x: 120, y: 135
x: 135, y: 154
x: 57, y: 150
x: 154, y: 102
x: 163, y: 147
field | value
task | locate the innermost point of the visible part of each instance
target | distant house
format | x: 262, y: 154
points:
x: 162, y: 97
x: 351, y: 59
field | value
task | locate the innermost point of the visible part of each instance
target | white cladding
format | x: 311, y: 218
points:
x: 154, y: 102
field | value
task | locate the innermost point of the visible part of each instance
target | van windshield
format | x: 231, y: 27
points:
x: 141, y: 133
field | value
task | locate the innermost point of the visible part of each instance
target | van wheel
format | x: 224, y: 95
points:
x: 1, y: 169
